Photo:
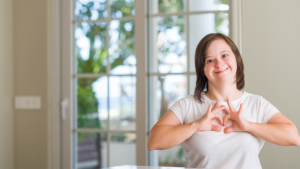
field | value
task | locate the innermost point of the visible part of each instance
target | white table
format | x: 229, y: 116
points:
x: 145, y: 167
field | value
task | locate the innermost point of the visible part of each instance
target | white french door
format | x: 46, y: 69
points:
x: 103, y: 83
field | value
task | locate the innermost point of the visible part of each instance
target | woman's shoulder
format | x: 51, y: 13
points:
x: 253, y: 97
x: 189, y: 98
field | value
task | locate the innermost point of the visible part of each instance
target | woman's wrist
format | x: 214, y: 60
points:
x: 196, y: 126
x: 250, y: 126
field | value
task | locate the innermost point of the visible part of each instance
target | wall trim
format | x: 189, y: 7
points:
x: 236, y: 26
x: 53, y: 87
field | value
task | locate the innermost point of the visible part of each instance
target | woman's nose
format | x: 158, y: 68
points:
x: 219, y: 63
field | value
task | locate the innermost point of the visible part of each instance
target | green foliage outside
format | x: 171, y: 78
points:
x: 222, y: 1
x: 87, y: 115
x: 170, y: 6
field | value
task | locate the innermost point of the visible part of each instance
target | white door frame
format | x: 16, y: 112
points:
x: 53, y: 87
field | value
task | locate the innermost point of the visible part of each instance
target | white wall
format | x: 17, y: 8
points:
x: 30, y: 79
x: 6, y: 85
x: 271, y: 43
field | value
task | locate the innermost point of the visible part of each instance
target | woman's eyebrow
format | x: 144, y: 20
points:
x: 224, y: 51
x: 220, y: 53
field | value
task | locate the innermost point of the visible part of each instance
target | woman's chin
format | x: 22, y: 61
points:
x: 224, y: 80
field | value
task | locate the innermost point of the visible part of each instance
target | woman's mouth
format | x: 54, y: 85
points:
x: 222, y: 71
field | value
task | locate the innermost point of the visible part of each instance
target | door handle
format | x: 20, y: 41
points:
x: 64, y: 105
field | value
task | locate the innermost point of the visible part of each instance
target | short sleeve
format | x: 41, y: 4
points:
x: 179, y: 108
x: 267, y: 110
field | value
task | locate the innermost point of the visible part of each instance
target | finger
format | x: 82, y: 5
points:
x: 231, y: 108
x: 216, y: 105
x: 209, y: 108
x: 228, y: 129
x: 226, y: 118
x: 241, y: 108
x: 227, y: 110
x: 219, y: 117
x: 219, y: 109
x: 215, y: 128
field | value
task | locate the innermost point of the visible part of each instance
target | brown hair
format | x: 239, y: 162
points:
x: 200, y: 56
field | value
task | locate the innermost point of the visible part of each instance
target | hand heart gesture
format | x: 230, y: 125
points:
x: 204, y: 123
x: 239, y: 123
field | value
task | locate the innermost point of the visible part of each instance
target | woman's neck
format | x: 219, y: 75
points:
x: 222, y: 93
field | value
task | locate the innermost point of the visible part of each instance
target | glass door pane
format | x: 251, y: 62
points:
x: 105, y: 83
x: 168, y: 45
x: 208, y: 5
x: 122, y: 149
x: 122, y: 103
x: 91, y: 150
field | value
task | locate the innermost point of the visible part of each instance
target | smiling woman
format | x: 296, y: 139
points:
x: 222, y: 127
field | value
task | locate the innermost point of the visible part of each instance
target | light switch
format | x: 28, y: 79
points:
x: 27, y: 102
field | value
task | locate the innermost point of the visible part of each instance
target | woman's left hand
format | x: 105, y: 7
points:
x: 239, y: 123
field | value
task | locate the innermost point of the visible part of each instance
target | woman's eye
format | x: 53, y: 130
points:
x: 224, y: 55
x: 209, y: 61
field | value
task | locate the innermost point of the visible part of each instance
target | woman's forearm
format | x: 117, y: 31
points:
x: 166, y: 136
x: 281, y: 134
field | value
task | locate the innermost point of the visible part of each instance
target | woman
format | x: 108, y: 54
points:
x: 222, y: 126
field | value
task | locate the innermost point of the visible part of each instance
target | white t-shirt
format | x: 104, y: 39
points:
x: 211, y: 149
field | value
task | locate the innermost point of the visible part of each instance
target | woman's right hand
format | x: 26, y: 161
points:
x: 205, y: 122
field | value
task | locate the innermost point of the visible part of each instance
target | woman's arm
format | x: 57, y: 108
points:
x: 168, y: 131
x: 278, y: 130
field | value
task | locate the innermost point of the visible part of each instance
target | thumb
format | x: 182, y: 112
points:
x: 229, y: 129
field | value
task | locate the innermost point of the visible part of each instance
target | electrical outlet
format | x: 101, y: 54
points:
x: 27, y: 102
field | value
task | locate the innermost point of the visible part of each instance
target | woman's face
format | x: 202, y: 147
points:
x: 220, y: 62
